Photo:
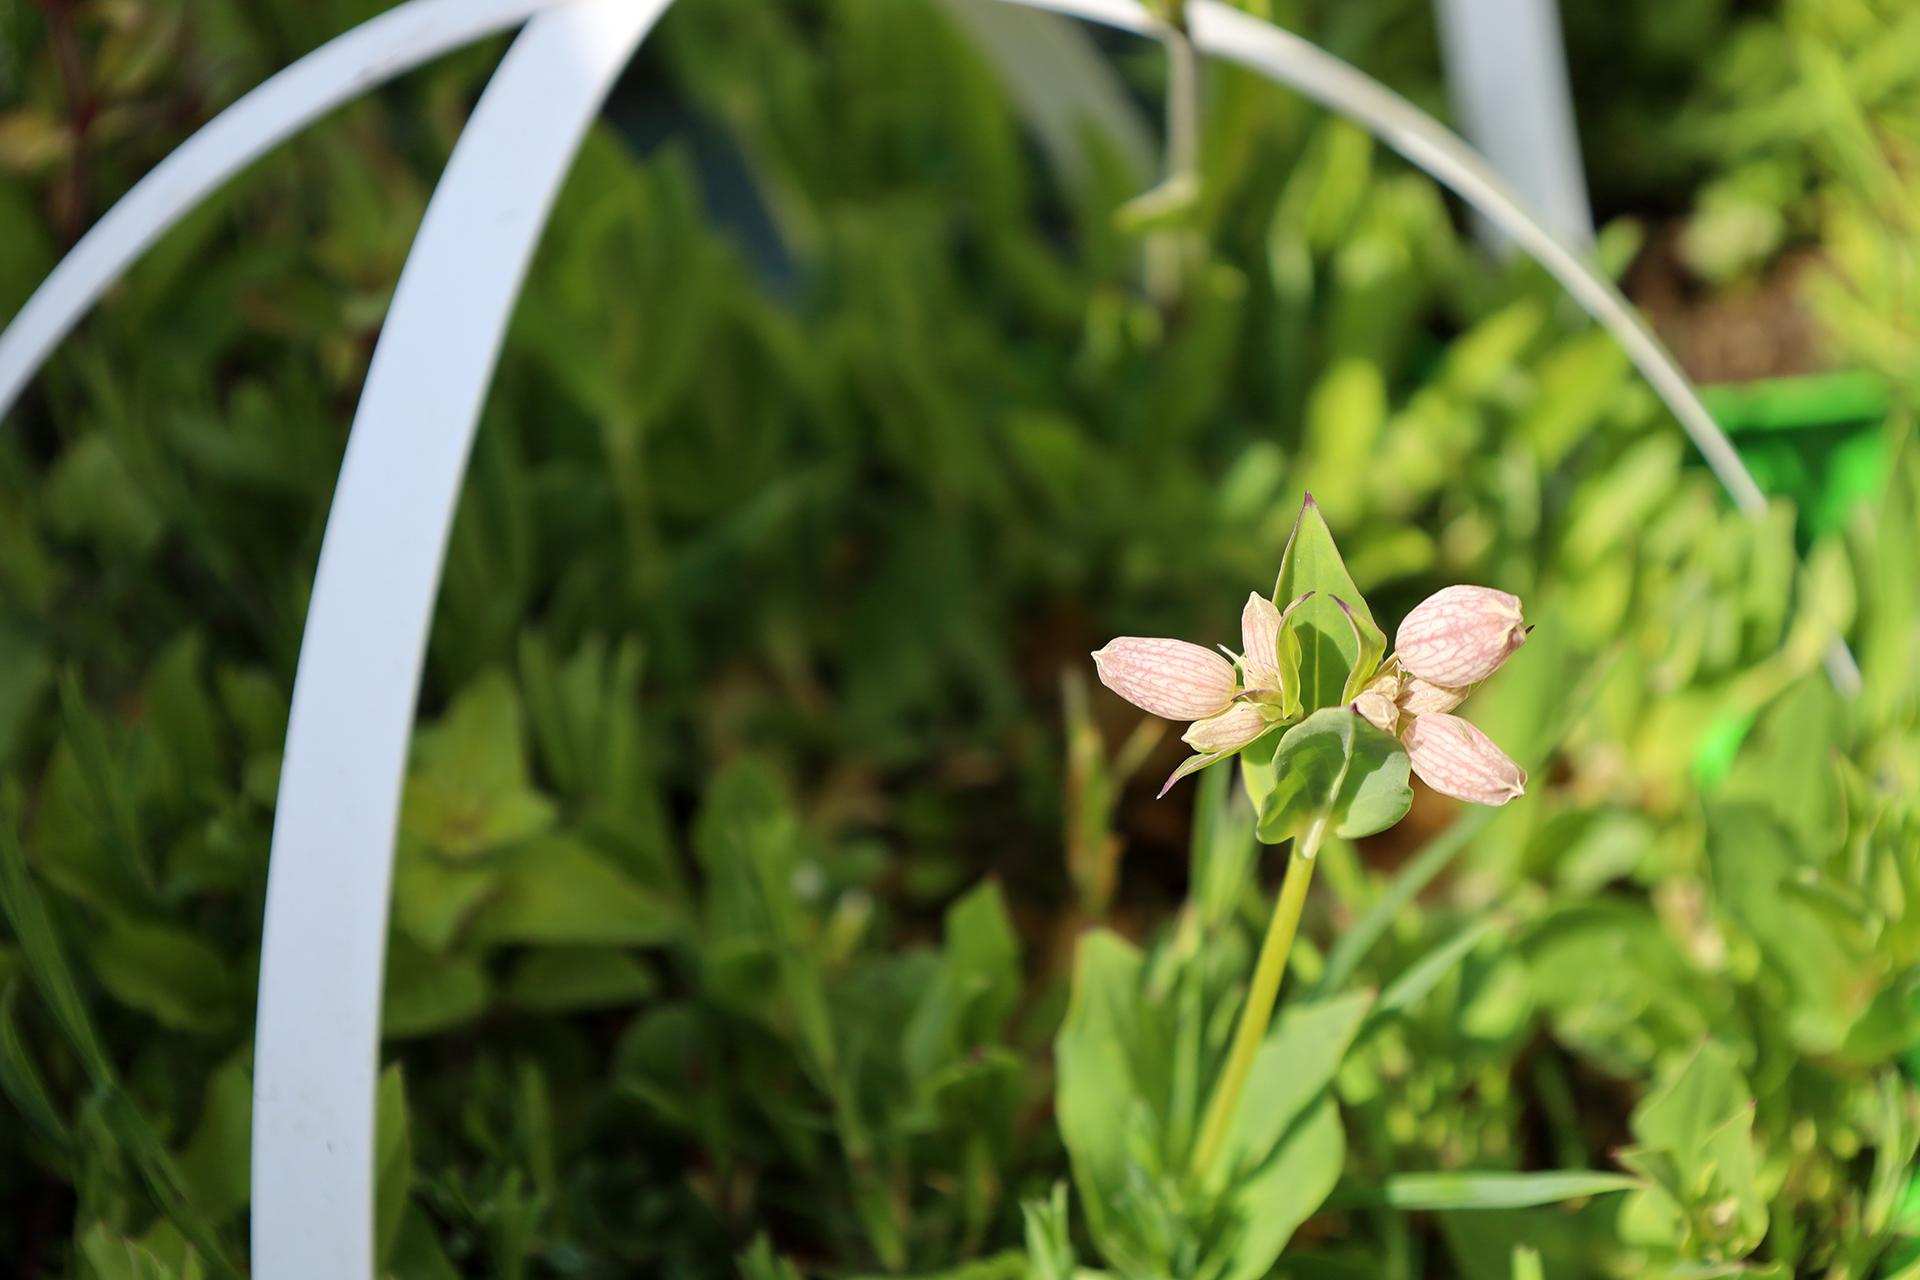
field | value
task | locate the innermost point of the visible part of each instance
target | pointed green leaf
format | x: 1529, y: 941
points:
x: 1287, y: 1191
x: 1329, y: 648
x: 393, y: 1165
x: 1288, y: 653
x: 425, y: 993
x: 569, y: 979
x: 20, y: 1077
x: 1372, y: 642
x: 1192, y: 764
x: 1295, y: 1063
x: 1424, y: 975
x: 557, y: 891
x: 26, y: 911
x: 165, y: 972
x: 468, y: 791
x: 217, y: 1161
x: 978, y: 983
x: 1109, y: 1062
x: 1500, y: 1190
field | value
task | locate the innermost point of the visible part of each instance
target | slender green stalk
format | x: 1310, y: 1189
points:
x: 1258, y: 1011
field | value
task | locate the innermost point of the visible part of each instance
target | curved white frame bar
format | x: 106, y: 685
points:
x: 1506, y: 66
x: 342, y: 69
x: 316, y: 1048
x: 326, y: 914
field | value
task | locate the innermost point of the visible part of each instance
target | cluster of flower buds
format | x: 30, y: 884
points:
x: 1454, y: 639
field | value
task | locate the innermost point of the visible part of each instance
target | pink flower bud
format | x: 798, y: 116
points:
x: 1260, y: 636
x: 1423, y: 697
x: 1460, y: 635
x: 1167, y: 678
x: 1456, y: 759
x: 1231, y: 730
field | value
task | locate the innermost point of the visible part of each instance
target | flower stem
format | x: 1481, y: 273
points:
x: 1261, y: 996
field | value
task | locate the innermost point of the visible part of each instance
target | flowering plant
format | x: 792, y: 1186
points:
x: 1327, y: 726
x: 1452, y: 641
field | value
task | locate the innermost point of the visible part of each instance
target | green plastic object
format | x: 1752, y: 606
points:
x: 1814, y: 439
x: 1714, y: 755
x: 1788, y: 404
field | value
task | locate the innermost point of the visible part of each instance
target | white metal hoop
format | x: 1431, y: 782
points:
x: 317, y: 1041
x: 342, y: 69
x: 326, y: 914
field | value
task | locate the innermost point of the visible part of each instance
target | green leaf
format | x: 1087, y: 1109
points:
x: 1330, y: 644
x: 569, y: 979
x: 53, y: 978
x: 417, y: 1253
x: 1375, y: 793
x: 975, y: 990
x: 1287, y: 654
x: 92, y: 493
x: 426, y: 992
x: 392, y: 1164
x: 106, y: 777
x: 1696, y: 1135
x: 468, y: 791
x: 1828, y: 962
x: 1786, y: 765
x: 1412, y: 986
x: 1500, y: 1190
x: 26, y: 673
x: 165, y: 972
x: 1273, y: 1202
x: 433, y: 896
x: 30, y: 251
x: 1050, y: 1252
x: 1224, y: 847
x: 180, y: 712
x: 1373, y: 646
x: 216, y: 1163
x: 1108, y: 1064
x: 161, y: 1176
x: 1294, y: 1065
x: 1336, y: 769
x: 559, y: 892
x: 20, y: 1077
x: 1616, y: 987
x: 759, y: 1262
x: 113, y: 1257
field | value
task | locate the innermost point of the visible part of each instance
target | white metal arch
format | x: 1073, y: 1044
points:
x: 316, y: 1043
x: 317, y: 1037
x: 342, y: 69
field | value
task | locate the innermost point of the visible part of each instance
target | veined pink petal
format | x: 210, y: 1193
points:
x: 1231, y: 730
x: 1260, y: 637
x: 1423, y: 697
x: 1167, y: 678
x: 1456, y: 759
x: 1460, y: 635
x: 1378, y: 710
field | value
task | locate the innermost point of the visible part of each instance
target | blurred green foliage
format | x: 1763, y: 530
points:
x: 744, y: 856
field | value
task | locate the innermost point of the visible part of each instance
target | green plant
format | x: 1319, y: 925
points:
x: 732, y: 926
